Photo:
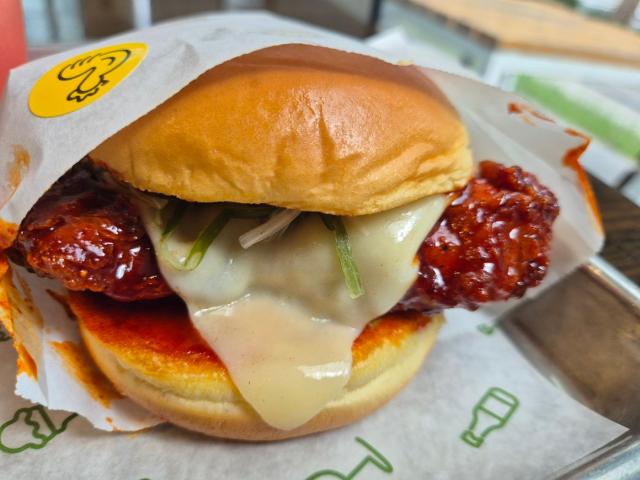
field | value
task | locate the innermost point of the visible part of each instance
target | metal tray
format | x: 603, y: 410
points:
x: 584, y: 336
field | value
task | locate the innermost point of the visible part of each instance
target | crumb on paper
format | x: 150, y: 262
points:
x: 109, y: 420
x: 79, y: 364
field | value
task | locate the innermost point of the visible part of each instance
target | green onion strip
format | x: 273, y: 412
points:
x: 171, y: 214
x: 204, y: 240
x: 175, y: 210
x: 174, y: 213
x: 345, y: 255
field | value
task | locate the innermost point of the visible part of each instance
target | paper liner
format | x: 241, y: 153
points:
x: 177, y: 53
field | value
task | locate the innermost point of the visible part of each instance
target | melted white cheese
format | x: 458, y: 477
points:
x: 279, y: 314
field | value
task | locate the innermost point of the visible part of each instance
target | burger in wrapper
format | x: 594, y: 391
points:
x: 267, y: 253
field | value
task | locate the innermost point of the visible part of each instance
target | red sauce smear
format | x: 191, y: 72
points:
x: 159, y: 327
x: 160, y: 333
x: 523, y: 108
x: 572, y: 160
x: 491, y: 243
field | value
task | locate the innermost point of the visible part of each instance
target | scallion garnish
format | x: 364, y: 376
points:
x: 204, y: 240
x: 171, y: 215
x: 345, y: 255
x: 202, y: 243
x: 277, y: 224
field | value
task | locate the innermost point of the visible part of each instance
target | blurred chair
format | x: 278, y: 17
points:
x: 585, y: 71
x: 101, y: 18
x: 166, y: 9
x: 625, y: 11
x: 106, y: 17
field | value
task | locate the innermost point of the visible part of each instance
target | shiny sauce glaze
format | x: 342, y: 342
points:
x: 491, y: 243
x: 90, y: 237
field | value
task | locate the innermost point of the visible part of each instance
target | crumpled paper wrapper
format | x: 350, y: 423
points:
x: 478, y: 408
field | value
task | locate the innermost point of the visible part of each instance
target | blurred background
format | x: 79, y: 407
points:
x: 577, y: 59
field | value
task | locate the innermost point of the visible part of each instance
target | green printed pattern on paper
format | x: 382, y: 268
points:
x: 374, y: 458
x: 492, y: 412
x: 486, y: 329
x: 30, y: 427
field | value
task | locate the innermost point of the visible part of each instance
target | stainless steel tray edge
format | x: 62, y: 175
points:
x: 544, y: 330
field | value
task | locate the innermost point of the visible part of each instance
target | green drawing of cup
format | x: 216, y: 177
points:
x: 374, y: 457
x: 492, y: 412
x: 30, y: 427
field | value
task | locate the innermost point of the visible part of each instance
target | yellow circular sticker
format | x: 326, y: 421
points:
x: 81, y: 80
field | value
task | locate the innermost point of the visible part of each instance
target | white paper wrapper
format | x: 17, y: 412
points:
x: 420, y: 431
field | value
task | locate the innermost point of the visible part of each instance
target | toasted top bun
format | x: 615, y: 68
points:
x: 300, y: 127
x: 153, y: 355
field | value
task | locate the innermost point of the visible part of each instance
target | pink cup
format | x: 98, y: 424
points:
x: 13, y: 48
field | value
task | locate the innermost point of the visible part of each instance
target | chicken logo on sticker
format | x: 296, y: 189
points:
x: 81, y: 80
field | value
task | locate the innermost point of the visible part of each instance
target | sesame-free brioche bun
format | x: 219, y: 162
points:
x: 301, y: 127
x: 153, y: 355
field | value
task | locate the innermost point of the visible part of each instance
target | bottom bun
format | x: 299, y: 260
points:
x: 154, y: 356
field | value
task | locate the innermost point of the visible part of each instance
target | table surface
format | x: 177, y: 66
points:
x: 621, y: 219
x: 537, y: 27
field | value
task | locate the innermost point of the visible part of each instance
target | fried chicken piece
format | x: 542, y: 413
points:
x: 492, y: 242
x: 89, y: 236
